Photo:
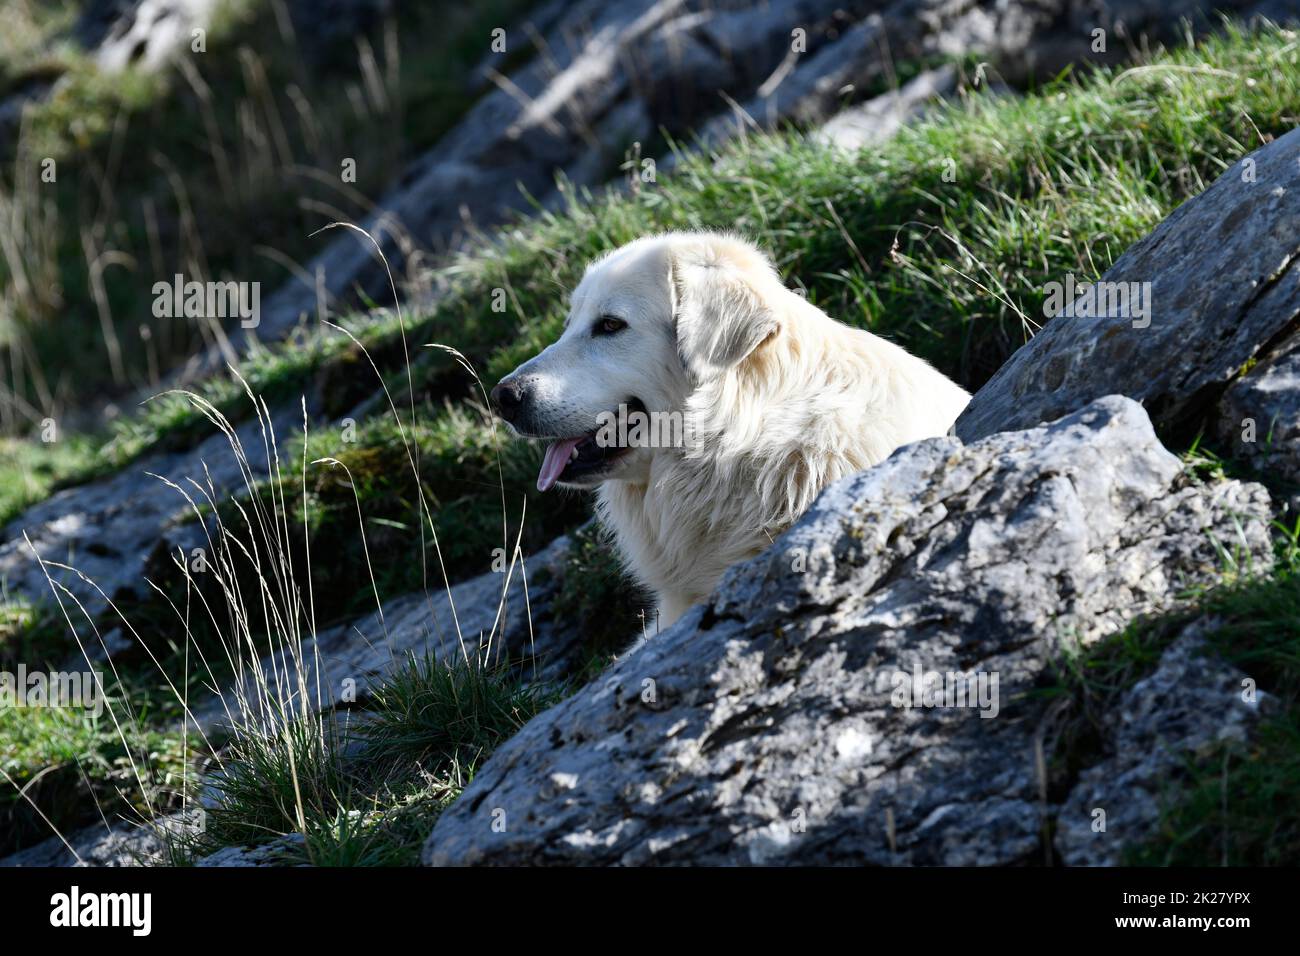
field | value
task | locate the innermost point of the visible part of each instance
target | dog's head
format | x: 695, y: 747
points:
x: 648, y: 325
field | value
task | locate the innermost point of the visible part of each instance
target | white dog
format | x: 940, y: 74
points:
x: 777, y: 400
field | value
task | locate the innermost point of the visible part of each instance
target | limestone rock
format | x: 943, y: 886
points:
x: 770, y: 725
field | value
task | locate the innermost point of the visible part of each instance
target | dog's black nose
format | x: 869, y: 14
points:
x: 507, y: 398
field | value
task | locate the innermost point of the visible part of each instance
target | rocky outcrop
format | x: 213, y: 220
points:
x: 149, y: 35
x: 1018, y: 42
x: 881, y: 117
x: 110, y: 529
x: 1258, y: 418
x: 146, y: 34
x: 283, y: 851
x: 1192, y: 704
x: 862, y: 691
x: 1214, y: 286
x: 122, y: 844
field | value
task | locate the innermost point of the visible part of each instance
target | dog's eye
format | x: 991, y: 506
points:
x: 608, y: 325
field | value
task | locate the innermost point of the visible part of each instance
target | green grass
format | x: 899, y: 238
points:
x: 30, y: 470
x: 365, y: 792
x: 449, y: 713
x: 34, y: 634
x: 457, y: 457
x: 128, y: 762
x: 79, y: 768
x: 1238, y: 807
x: 184, y: 171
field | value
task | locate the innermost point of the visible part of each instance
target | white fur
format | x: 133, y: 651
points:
x: 787, y: 400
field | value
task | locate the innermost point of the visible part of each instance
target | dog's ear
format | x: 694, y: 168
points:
x: 722, y: 304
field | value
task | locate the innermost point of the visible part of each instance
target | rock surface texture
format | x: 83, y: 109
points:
x: 109, y: 530
x: 769, y: 726
x: 122, y: 844
x: 1259, y: 414
x: 1191, y: 703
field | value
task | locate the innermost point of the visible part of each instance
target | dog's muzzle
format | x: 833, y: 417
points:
x: 508, y: 399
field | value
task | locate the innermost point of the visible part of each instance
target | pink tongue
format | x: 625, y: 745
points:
x: 557, y: 456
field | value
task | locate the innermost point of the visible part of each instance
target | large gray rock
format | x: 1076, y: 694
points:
x: 763, y: 727
x: 1259, y: 414
x: 122, y: 844
x: 1223, y: 286
x: 881, y: 117
x: 1192, y: 704
x: 282, y: 851
x: 110, y: 529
